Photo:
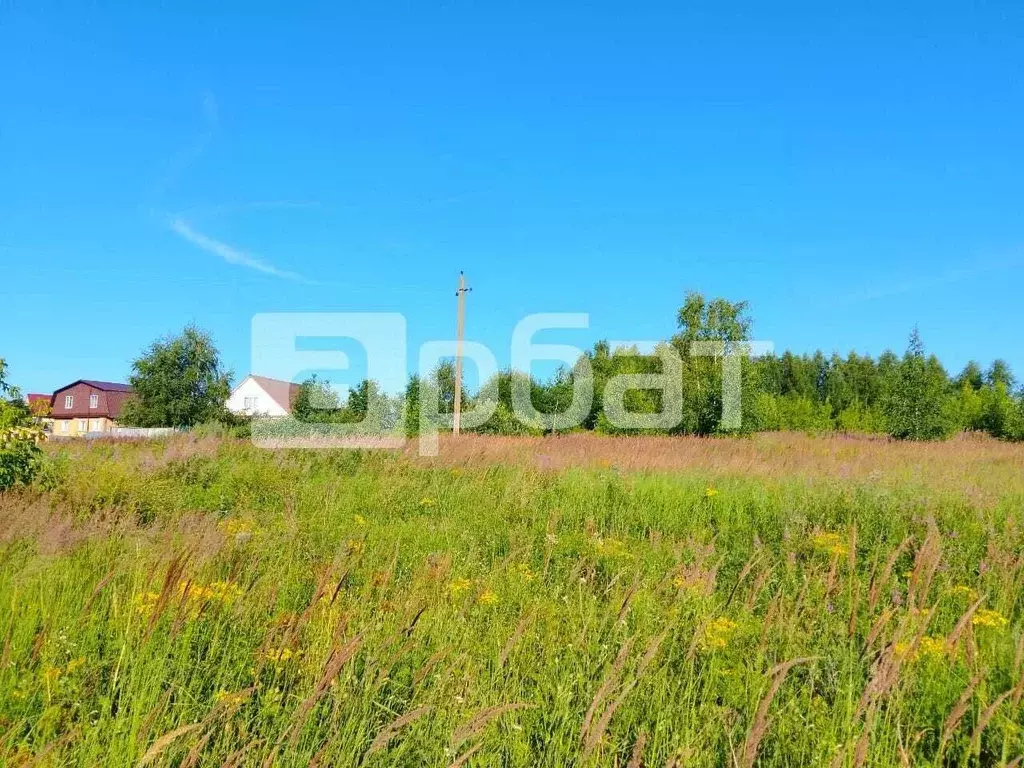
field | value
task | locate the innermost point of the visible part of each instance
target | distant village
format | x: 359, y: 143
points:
x: 90, y: 408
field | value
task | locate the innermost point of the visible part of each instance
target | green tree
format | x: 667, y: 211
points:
x: 719, y: 320
x: 20, y: 456
x: 316, y: 401
x: 918, y: 405
x: 178, y: 382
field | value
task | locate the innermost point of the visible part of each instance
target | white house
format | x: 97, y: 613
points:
x: 260, y: 396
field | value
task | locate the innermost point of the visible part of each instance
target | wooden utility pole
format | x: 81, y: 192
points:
x: 460, y: 325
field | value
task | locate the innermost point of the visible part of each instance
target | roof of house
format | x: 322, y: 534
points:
x: 281, y: 392
x: 105, y: 386
x: 108, y: 404
x: 31, y: 398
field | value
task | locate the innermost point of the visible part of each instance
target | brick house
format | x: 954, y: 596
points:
x: 87, y: 406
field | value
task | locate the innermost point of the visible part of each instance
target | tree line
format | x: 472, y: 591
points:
x: 180, y: 381
x: 908, y: 397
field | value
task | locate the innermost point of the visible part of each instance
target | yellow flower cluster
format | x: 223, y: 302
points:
x: 146, y: 602
x: 355, y: 546
x: 710, y: 492
x: 991, y: 619
x: 238, y: 527
x: 428, y: 502
x: 525, y: 571
x: 829, y: 543
x: 487, y: 598
x: 279, y: 656
x: 928, y: 648
x: 220, y: 591
x: 52, y: 673
x: 359, y: 520
x: 962, y: 590
x: 612, y: 548
x: 457, y: 586
x: 719, y: 632
x: 230, y: 698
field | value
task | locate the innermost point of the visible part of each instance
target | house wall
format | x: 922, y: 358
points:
x: 80, y: 426
x: 264, y: 404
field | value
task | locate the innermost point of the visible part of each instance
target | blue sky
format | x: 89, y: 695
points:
x: 849, y: 171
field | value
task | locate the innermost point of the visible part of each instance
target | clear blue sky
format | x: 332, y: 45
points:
x: 849, y: 172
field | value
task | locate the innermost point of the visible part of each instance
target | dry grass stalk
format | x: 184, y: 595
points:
x: 388, y: 732
x: 957, y: 713
x: 925, y: 565
x: 747, y: 568
x: 593, y: 738
x: 876, y: 629
x: 165, y: 741
x: 481, y: 720
x: 462, y: 759
x: 851, y: 566
x: 428, y: 665
x: 636, y: 760
x: 611, y: 679
x: 986, y: 717
x: 520, y: 630
x: 757, y: 587
x: 962, y: 625
x: 760, y: 725
x: 879, y: 583
x: 339, y: 656
x: 628, y: 598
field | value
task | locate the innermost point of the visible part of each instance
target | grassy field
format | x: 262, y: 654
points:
x: 579, y: 601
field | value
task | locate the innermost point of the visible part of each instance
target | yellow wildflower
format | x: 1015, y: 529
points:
x: 962, y: 590
x: 428, y: 502
x: 718, y: 633
x: 612, y: 548
x: 225, y: 591
x: 279, y: 655
x: 458, y: 586
x: 992, y: 619
x: 146, y: 602
x: 829, y: 543
x: 75, y: 664
x: 231, y: 699
x: 238, y: 527
x: 360, y: 520
x: 710, y: 492
x: 933, y: 647
x: 355, y: 546
x: 51, y: 674
x: 487, y: 598
x: 525, y: 571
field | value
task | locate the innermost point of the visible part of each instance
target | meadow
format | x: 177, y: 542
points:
x: 575, y: 601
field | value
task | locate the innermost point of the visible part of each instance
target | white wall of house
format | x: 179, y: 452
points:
x: 250, y: 399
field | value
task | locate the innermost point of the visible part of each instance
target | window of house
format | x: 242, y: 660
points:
x: 69, y: 401
x: 64, y: 426
x: 83, y: 425
x: 94, y: 401
x: 96, y: 425
x: 251, y: 403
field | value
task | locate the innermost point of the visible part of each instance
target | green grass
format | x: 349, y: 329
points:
x: 204, y: 602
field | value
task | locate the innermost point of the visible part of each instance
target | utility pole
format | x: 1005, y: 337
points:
x: 460, y: 325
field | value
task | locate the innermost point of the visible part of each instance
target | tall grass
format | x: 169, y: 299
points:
x: 205, y: 602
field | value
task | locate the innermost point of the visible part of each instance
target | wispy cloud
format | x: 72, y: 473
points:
x: 950, y: 276
x: 229, y: 253
x: 180, y: 162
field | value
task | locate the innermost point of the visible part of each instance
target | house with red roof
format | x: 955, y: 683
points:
x: 263, y: 396
x: 85, y: 406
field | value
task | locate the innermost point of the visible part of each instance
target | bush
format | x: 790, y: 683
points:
x: 20, y: 456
